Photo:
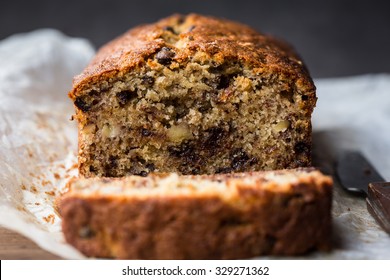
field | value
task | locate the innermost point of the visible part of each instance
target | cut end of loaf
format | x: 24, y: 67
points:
x: 193, y: 95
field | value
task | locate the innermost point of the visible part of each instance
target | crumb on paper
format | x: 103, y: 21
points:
x: 53, y: 157
x: 21, y: 208
x: 57, y: 176
x: 51, y: 193
x: 49, y: 219
x: 33, y: 189
x: 74, y: 166
x: 45, y: 182
x: 23, y: 187
x: 30, y: 153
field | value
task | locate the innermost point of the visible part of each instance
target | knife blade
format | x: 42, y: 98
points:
x: 356, y: 174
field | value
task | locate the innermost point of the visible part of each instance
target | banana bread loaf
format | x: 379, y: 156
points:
x: 223, y: 216
x: 193, y: 95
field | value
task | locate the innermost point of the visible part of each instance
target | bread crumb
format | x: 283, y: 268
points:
x: 45, y: 182
x: 49, y: 219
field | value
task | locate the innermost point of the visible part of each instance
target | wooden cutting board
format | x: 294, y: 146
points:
x: 14, y: 246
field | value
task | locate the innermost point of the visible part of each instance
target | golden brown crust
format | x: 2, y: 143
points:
x: 223, y: 40
x: 263, y: 218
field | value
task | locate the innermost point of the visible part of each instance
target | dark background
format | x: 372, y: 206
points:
x: 335, y: 38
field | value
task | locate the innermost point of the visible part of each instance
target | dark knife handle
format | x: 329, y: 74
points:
x: 378, y: 203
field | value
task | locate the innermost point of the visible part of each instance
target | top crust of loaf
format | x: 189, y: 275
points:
x: 219, y: 39
x: 173, y: 185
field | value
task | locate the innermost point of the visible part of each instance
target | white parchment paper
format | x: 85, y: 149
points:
x: 38, y: 142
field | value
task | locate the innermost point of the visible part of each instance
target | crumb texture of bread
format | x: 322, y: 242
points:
x: 223, y: 216
x: 193, y: 95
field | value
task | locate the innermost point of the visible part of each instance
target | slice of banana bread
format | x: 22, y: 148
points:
x: 223, y: 216
x: 193, y: 95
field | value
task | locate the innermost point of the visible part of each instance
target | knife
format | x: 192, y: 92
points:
x: 356, y: 174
